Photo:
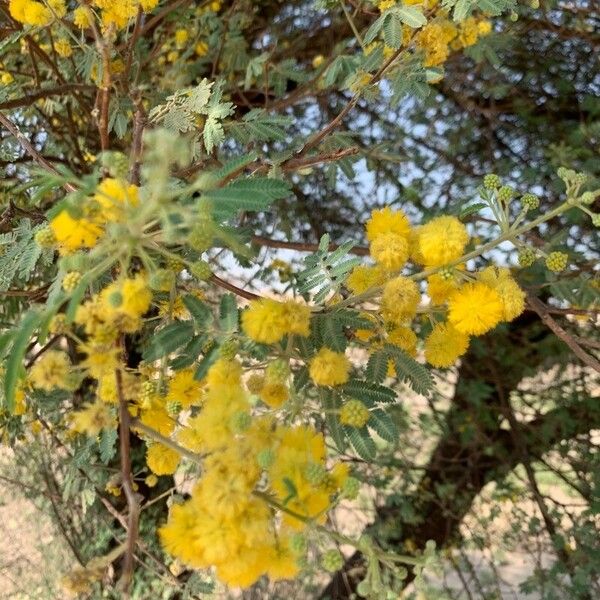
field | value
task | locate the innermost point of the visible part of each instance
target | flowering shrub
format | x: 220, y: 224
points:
x: 257, y: 395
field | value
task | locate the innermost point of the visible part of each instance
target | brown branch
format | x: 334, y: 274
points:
x: 302, y: 247
x: 540, y: 308
x: 28, y: 147
x: 127, y: 482
x: 226, y: 285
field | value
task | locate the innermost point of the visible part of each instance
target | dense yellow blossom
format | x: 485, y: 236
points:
x: 329, y: 368
x: 390, y: 250
x: 386, y: 220
x: 441, y: 241
x: 52, y: 370
x: 444, y: 345
x: 74, y: 234
x: 441, y: 286
x: 274, y: 394
x: 400, y: 300
x: 162, y: 460
x: 364, y: 277
x: 92, y: 419
x: 511, y: 295
x: 405, y: 338
x: 267, y: 321
x: 114, y: 196
x: 475, y: 308
x: 185, y: 389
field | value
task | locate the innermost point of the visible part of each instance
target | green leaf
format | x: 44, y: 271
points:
x: 200, y: 312
x: 362, y: 442
x: 392, y: 31
x: 410, y: 15
x: 375, y: 28
x: 382, y: 424
x: 209, y: 358
x: 332, y: 333
x: 107, y: 444
x: 167, y: 340
x: 251, y: 194
x: 377, y: 366
x: 408, y: 369
x: 14, y: 362
x: 190, y: 353
x: 471, y: 209
x: 228, y: 313
x: 334, y: 427
x: 368, y: 392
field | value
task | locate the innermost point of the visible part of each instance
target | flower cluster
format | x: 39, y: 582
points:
x: 252, y: 464
x: 80, y: 227
x: 472, y: 303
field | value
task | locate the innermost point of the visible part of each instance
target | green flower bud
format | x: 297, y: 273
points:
x: 332, y: 560
x: 526, y: 257
x: 491, y: 181
x: 557, y: 261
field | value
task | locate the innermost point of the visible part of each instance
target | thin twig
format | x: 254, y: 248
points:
x: 540, y: 308
x: 127, y: 482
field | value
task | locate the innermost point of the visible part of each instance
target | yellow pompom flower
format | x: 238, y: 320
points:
x: 329, y: 368
x: 511, y: 295
x: 267, y: 321
x: 181, y: 37
x: 137, y: 296
x: 444, y: 345
x: 74, y: 234
x: 404, y: 338
x: 224, y: 372
x: 185, y: 389
x: 51, y: 370
x: 364, y: 277
x: 441, y: 241
x: 162, y: 460
x: 386, y: 220
x: 92, y: 419
x: 274, y: 394
x: 114, y: 196
x: 30, y: 12
x: 63, y: 48
x: 440, y: 287
x: 82, y: 17
x: 390, y: 250
x: 475, y: 308
x: 400, y: 300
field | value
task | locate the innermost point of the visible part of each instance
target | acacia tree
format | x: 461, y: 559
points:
x: 220, y: 366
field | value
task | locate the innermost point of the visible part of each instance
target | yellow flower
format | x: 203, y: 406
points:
x: 364, y: 277
x: 30, y: 12
x: 267, y: 321
x: 432, y: 40
x: 274, y: 394
x: 444, y: 345
x: 475, y: 308
x: 93, y: 419
x: 181, y: 37
x: 185, y: 389
x: 51, y: 370
x: 329, y: 368
x: 386, y: 220
x: 400, y: 300
x: 201, y: 49
x: 390, y: 250
x: 511, y: 295
x: 74, y: 234
x: 224, y: 373
x: 101, y: 361
x: 405, y: 338
x: 114, y: 196
x: 82, y: 17
x: 441, y: 241
x: 162, y: 460
x: 63, y: 48
x: 440, y: 287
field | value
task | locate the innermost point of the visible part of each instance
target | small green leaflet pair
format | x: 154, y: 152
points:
x: 195, y: 338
